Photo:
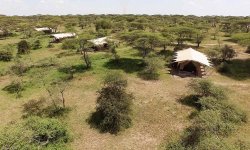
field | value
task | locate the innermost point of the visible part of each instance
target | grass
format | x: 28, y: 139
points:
x: 157, y: 116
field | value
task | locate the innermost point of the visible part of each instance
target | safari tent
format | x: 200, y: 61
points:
x: 45, y: 30
x: 190, y: 62
x: 61, y: 36
x: 99, y: 43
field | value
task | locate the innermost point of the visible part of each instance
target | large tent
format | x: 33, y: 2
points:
x: 58, y: 37
x: 191, y: 62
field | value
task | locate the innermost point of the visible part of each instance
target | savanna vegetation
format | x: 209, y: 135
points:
x: 72, y: 95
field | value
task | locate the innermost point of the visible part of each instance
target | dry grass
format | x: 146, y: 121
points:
x: 157, y: 116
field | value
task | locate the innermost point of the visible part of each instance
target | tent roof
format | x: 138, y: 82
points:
x: 191, y: 55
x: 42, y: 29
x: 99, y: 41
x: 63, y: 35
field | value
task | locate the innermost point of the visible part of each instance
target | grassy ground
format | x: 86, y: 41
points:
x: 157, y: 116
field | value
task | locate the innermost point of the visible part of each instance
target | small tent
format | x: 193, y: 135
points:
x: 45, y: 30
x: 99, y: 43
x: 60, y: 36
x: 190, y: 62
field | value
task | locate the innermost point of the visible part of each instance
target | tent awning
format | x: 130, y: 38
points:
x: 191, y: 55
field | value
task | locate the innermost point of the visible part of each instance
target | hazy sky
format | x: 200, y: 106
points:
x: 185, y: 7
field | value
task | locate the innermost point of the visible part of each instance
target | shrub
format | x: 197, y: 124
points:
x: 205, y: 88
x: 242, y: 38
x: 227, y: 53
x: 70, y: 44
x: 151, y: 71
x: 212, y: 103
x: 16, y: 87
x: 175, y: 146
x: 23, y: 47
x: 210, y: 122
x: 234, y: 115
x: 19, y: 68
x: 113, y: 105
x: 214, y: 143
x: 34, y: 133
x: 50, y: 45
x: 14, y: 137
x: 36, y: 45
x: 34, y: 108
x: 5, y: 56
x: 47, y: 131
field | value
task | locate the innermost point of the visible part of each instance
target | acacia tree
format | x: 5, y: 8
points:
x: 144, y: 45
x: 84, y: 51
x: 227, y: 53
x: 199, y: 38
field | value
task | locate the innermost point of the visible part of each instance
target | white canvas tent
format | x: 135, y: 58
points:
x: 190, y: 60
x: 60, y: 36
x: 100, y: 41
x: 45, y: 29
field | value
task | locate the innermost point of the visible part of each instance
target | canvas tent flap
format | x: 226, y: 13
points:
x: 191, y: 55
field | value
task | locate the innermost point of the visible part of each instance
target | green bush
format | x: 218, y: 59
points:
x: 47, y: 131
x: 210, y: 122
x: 214, y: 143
x: 19, y: 68
x: 227, y: 53
x: 23, y: 47
x: 14, y: 137
x: 234, y: 115
x: 175, y: 146
x: 70, y: 44
x: 42, y: 108
x: 15, y: 87
x: 151, y: 71
x: 212, y: 103
x: 113, y: 111
x: 205, y: 88
x: 36, y: 45
x: 34, y: 133
x: 241, y: 38
x: 5, y: 56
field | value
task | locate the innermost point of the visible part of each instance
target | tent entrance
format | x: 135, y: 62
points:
x: 190, y: 67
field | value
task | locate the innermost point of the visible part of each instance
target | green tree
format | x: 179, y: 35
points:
x: 227, y: 53
x: 23, y: 47
x: 114, y: 105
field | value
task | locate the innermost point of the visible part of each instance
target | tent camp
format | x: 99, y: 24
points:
x: 99, y: 43
x: 45, y: 30
x: 60, y: 36
x: 189, y: 62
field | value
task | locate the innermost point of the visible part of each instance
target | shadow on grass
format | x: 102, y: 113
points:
x: 166, y: 53
x: 190, y: 100
x: 237, y: 69
x: 73, y: 69
x: 129, y: 65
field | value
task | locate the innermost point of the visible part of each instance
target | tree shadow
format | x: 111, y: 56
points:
x: 129, y: 65
x: 73, y: 69
x: 190, y: 100
x: 238, y: 69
